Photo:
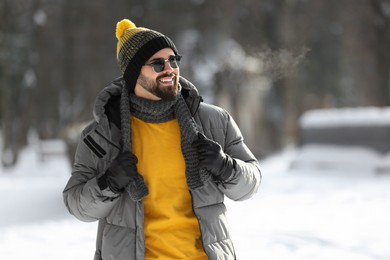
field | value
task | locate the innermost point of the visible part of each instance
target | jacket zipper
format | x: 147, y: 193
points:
x: 200, y: 230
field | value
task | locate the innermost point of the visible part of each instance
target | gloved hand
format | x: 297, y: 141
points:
x: 212, y: 158
x: 120, y: 173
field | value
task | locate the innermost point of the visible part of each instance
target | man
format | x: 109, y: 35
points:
x: 156, y: 163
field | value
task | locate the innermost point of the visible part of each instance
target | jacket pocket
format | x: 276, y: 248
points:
x: 118, y: 242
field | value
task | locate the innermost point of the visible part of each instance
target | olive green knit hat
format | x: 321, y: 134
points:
x: 135, y: 46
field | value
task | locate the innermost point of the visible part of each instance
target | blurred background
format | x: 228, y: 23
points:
x: 265, y: 61
x: 275, y: 65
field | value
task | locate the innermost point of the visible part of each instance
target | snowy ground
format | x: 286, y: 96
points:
x: 300, y: 214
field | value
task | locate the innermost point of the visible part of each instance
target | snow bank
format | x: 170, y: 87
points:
x: 341, y: 159
x: 358, y: 116
x: 348, y: 138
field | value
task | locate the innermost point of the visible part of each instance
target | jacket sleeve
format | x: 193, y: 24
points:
x: 246, y: 178
x: 82, y: 196
x: 217, y: 124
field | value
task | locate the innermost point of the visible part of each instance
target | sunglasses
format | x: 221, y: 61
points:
x: 158, y: 65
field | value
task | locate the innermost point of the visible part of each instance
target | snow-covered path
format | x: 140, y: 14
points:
x: 296, y: 215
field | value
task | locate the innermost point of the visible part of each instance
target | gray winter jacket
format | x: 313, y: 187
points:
x: 120, y: 230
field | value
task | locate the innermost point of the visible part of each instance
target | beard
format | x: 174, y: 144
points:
x: 154, y: 86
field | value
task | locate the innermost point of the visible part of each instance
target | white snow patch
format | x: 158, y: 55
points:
x: 357, y: 116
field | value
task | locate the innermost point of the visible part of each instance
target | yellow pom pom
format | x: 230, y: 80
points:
x: 122, y: 26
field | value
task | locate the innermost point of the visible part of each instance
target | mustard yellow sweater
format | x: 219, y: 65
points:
x: 171, y: 228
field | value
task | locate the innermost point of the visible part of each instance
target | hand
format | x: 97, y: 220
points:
x: 120, y: 173
x: 212, y: 158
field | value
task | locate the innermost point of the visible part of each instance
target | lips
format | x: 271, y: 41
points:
x: 166, y: 79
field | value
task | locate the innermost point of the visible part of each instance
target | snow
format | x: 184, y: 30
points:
x: 343, y: 160
x: 34, y: 223
x: 308, y: 213
x: 357, y: 116
x: 299, y: 213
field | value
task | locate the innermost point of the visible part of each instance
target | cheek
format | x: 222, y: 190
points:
x: 148, y: 72
x: 147, y: 76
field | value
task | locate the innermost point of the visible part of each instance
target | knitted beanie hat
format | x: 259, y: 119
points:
x: 135, y: 46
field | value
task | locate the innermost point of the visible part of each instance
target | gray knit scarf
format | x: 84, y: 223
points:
x: 159, y: 112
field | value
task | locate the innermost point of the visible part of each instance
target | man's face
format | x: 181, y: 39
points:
x: 159, y: 85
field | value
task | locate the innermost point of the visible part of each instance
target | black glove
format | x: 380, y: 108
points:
x: 212, y: 158
x: 120, y: 173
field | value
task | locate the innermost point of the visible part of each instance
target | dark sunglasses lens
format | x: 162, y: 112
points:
x: 158, y: 65
x: 174, y: 62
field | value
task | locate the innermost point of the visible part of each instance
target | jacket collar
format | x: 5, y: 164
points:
x: 191, y: 95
